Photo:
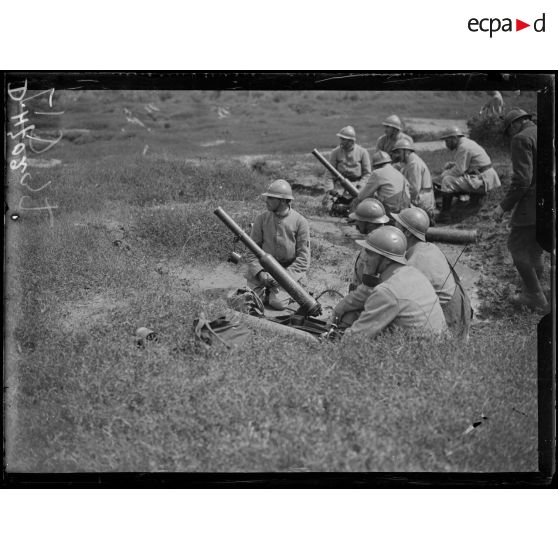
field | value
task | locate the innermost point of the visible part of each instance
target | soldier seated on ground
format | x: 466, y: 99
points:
x: 403, y: 297
x: 416, y: 171
x: 350, y: 159
x: 392, y: 134
x: 284, y: 233
x: 471, y: 173
x: 368, y: 216
x: 432, y: 262
x: 386, y: 184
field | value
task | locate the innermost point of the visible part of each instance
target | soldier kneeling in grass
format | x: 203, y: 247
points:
x: 432, y: 262
x: 284, y: 233
x: 403, y: 297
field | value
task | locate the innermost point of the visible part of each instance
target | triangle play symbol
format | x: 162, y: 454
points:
x: 519, y: 25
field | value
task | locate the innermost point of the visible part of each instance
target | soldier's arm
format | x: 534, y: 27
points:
x: 380, y: 309
x: 366, y: 169
x: 413, y: 176
x: 462, y: 159
x: 302, y: 258
x: 368, y: 190
x: 355, y: 300
x: 522, y: 161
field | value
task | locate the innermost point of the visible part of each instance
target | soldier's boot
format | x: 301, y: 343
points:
x: 535, y: 301
x: 444, y: 215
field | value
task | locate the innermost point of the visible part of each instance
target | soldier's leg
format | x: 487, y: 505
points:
x: 349, y: 318
x: 521, y: 245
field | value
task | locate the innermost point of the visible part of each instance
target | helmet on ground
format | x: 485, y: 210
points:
x: 403, y: 143
x: 279, y: 189
x: 370, y: 211
x: 387, y: 241
x: 415, y: 220
x: 453, y: 132
x: 348, y: 132
x: 379, y: 158
x: 393, y: 122
x: 513, y: 115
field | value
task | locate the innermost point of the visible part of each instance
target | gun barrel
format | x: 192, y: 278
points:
x: 452, y: 236
x: 308, y: 305
x: 344, y: 181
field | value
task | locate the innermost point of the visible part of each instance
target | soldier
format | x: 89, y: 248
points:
x: 432, y: 262
x: 521, y: 197
x: 350, y: 159
x: 368, y: 216
x: 494, y: 106
x: 403, y: 296
x: 471, y: 172
x: 386, y: 184
x: 392, y: 133
x: 415, y: 170
x: 285, y: 234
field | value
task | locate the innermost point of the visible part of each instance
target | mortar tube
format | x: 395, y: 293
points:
x: 451, y: 236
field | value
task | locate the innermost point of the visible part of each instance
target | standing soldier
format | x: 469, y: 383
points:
x: 494, y: 106
x: 471, y: 172
x: 386, y: 184
x: 350, y: 159
x: 403, y: 296
x: 392, y: 133
x: 415, y: 170
x: 285, y: 234
x: 368, y: 216
x: 432, y: 262
x: 521, y: 197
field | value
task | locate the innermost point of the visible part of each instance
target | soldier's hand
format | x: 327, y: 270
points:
x: 449, y: 165
x: 498, y: 213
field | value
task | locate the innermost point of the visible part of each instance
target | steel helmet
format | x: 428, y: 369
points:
x: 370, y: 211
x: 348, y: 132
x: 453, y: 132
x: 387, y: 241
x: 415, y: 220
x: 279, y: 189
x: 403, y: 143
x: 513, y: 115
x: 393, y: 121
x: 379, y: 158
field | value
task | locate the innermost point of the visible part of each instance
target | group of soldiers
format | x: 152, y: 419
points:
x: 399, y: 278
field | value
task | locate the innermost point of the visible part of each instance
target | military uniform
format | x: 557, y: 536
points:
x: 353, y: 165
x: 522, y: 196
x: 432, y: 262
x: 417, y: 173
x: 386, y: 144
x: 389, y: 186
x: 287, y: 239
x: 404, y: 298
x: 472, y: 171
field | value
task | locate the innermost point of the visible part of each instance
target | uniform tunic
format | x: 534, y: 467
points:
x: 389, y: 186
x: 286, y: 238
x: 472, y: 171
x: 353, y: 164
x: 404, y: 298
x: 387, y: 144
x: 417, y: 173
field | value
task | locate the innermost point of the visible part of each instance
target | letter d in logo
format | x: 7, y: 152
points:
x: 540, y: 21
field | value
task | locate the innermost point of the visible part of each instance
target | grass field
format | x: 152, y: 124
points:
x: 132, y: 238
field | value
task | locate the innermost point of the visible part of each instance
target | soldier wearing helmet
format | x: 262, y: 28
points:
x: 350, y: 159
x: 392, y: 133
x: 470, y: 173
x: 386, y: 184
x: 284, y: 233
x: 521, y: 197
x: 415, y: 170
x: 432, y: 262
x: 368, y: 216
x: 403, y: 296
